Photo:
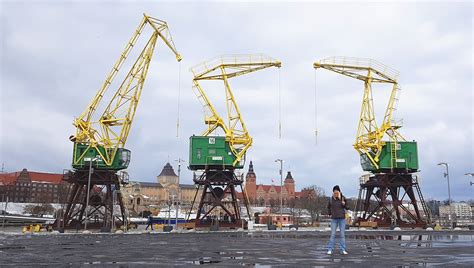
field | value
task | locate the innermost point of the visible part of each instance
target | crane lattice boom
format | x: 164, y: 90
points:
x: 224, y: 68
x: 109, y: 133
x: 369, y: 139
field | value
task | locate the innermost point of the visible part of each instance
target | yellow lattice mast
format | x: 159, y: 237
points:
x: 224, y: 68
x: 369, y: 140
x: 106, y: 136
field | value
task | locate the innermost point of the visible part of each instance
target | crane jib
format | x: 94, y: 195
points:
x: 105, y: 139
x: 237, y: 140
x: 377, y: 153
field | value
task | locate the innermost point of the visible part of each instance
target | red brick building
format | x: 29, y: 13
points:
x: 33, y: 187
x: 264, y: 194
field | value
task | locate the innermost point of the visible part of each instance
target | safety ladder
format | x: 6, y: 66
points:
x: 426, y: 210
x: 394, y: 125
x: 358, y: 209
x: 393, y: 154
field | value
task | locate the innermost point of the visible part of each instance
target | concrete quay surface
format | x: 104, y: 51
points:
x: 260, y: 249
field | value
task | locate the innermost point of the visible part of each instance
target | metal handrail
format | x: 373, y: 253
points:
x: 396, y: 122
x: 230, y: 59
x: 363, y: 62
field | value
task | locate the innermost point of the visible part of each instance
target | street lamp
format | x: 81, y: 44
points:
x: 446, y: 175
x: 170, y: 202
x: 281, y: 190
x: 114, y: 198
x: 472, y: 176
x: 5, y: 210
x: 89, y: 187
x: 179, y: 160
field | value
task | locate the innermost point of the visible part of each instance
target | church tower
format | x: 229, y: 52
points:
x: 251, y: 184
x: 290, y: 185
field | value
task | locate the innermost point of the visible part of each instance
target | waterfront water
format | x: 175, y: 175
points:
x: 379, y: 248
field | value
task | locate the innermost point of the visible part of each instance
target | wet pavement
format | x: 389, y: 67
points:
x: 260, y: 249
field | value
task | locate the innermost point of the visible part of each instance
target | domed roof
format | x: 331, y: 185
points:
x: 167, y: 171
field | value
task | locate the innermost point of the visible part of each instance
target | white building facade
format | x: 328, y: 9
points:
x: 460, y: 213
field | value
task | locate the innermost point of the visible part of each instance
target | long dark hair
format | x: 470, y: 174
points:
x: 337, y: 188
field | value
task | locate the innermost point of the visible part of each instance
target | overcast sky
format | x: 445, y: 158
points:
x: 56, y: 54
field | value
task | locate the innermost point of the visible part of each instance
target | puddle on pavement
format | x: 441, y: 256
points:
x: 457, y: 238
x: 419, y: 241
x: 12, y: 247
x: 369, y: 245
x: 205, y: 261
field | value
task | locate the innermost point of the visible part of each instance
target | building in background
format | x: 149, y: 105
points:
x: 410, y: 208
x: 460, y: 212
x: 33, y: 187
x: 39, y: 187
x: 152, y: 196
x: 269, y: 195
x: 267, y: 217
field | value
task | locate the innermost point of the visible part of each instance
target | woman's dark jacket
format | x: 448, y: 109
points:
x: 335, y: 208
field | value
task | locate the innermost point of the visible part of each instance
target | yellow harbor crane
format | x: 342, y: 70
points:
x: 391, y: 160
x: 217, y: 157
x: 102, y: 139
x: 377, y: 154
x: 228, y: 151
x: 106, y: 136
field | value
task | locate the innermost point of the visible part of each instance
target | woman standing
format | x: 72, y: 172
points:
x: 337, y: 209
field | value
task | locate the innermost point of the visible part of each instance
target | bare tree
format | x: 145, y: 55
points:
x: 39, y: 210
x: 315, y: 201
x: 273, y: 205
x: 295, y: 210
x: 63, y: 192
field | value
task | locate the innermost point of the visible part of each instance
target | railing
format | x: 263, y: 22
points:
x: 124, y: 177
x: 396, y: 123
x: 231, y: 59
x: 362, y: 62
x: 364, y: 178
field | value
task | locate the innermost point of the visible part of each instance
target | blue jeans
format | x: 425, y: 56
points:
x: 342, y: 228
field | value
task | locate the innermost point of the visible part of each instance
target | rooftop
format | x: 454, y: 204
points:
x: 43, y: 177
x: 168, y: 171
x: 155, y: 184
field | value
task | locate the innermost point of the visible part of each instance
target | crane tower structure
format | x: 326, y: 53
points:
x: 389, y: 158
x: 99, y: 143
x: 213, y: 157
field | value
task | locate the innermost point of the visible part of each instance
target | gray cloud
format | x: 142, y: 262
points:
x: 55, y: 55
